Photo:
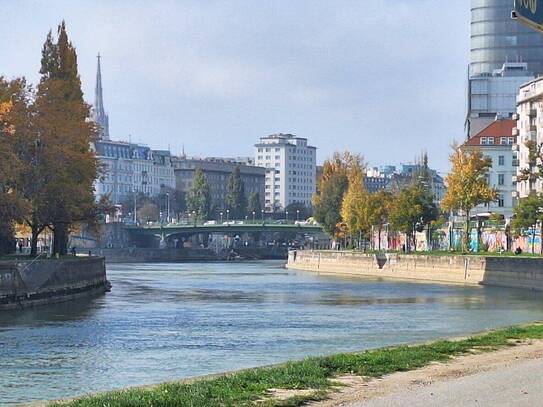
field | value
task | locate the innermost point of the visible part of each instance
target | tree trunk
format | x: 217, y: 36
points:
x: 60, y: 239
x: 34, y: 240
x: 379, y: 237
x: 467, y: 237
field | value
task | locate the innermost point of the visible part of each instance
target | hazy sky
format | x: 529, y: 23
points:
x: 384, y: 78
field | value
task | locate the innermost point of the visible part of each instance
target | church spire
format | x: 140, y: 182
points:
x: 99, y: 113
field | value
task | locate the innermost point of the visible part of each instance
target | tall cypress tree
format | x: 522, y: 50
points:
x: 67, y: 166
x: 236, y: 201
x: 199, y: 197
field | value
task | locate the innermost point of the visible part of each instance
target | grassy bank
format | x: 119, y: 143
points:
x: 244, y: 388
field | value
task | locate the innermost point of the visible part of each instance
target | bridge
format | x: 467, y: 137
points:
x: 170, y: 230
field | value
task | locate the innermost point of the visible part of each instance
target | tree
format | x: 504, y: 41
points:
x: 253, y: 205
x: 354, y: 206
x: 66, y: 166
x: 14, y: 125
x: 331, y: 188
x: 527, y: 214
x: 380, y: 204
x: 467, y: 185
x: 148, y: 212
x: 412, y: 210
x: 534, y: 166
x: 236, y: 201
x: 298, y: 211
x: 199, y: 197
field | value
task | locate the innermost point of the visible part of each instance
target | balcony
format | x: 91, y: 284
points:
x: 515, y: 147
x: 515, y: 194
x: 515, y: 131
x: 532, y: 112
x: 514, y: 117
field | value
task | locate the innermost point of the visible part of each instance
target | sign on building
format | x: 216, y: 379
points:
x: 530, y: 12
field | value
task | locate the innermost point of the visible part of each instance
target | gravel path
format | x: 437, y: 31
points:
x: 509, y: 377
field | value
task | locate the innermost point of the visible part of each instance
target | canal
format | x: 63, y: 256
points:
x: 168, y: 321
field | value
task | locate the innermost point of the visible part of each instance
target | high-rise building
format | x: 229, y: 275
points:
x: 291, y: 168
x: 503, y: 55
x: 99, y: 114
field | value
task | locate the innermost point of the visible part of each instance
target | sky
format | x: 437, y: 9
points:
x: 384, y: 78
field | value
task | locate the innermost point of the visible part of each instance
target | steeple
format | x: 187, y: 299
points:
x: 98, y: 112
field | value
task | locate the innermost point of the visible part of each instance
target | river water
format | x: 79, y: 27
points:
x: 166, y: 321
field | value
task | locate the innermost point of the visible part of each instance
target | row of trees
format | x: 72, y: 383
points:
x: 346, y: 209
x: 46, y: 167
x: 199, y: 198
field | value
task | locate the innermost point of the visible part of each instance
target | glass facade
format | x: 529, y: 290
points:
x: 496, y: 39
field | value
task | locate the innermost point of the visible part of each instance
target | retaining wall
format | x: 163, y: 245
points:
x: 29, y: 283
x: 517, y: 272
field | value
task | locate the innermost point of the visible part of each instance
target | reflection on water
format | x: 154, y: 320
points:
x: 166, y: 321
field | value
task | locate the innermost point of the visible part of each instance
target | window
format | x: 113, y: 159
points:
x: 501, y: 160
x: 501, y: 179
x: 501, y: 203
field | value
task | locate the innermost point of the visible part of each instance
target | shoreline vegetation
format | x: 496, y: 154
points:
x: 310, y: 379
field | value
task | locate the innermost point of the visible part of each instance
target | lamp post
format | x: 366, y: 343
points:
x: 221, y: 216
x: 168, y: 207
x: 135, y: 205
x: 286, y: 216
x: 194, y: 217
x: 262, y: 212
x: 227, y: 215
x: 297, y: 214
x: 254, y: 216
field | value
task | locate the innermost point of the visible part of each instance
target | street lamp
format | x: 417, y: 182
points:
x: 135, y: 205
x: 262, y: 212
x: 194, y: 217
x: 227, y: 215
x: 221, y: 216
x: 168, y: 206
x: 286, y: 216
x: 297, y: 214
x: 254, y: 216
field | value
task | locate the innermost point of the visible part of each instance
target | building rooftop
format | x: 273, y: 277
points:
x: 495, y: 131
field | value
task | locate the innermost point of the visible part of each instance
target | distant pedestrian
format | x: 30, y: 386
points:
x: 20, y: 246
x: 73, y: 251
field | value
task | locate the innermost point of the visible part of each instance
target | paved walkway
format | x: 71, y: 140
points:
x: 509, y: 377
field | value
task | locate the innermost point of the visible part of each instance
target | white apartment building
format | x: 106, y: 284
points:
x: 291, y: 167
x: 529, y: 127
x: 496, y: 142
x: 127, y: 167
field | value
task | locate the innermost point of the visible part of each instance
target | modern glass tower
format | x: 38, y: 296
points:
x: 496, y: 38
x: 504, y: 54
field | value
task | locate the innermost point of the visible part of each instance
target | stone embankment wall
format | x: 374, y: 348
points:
x: 28, y: 283
x: 516, y: 272
x: 145, y: 255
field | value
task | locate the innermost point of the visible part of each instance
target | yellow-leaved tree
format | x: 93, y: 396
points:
x: 467, y: 184
x: 354, y: 208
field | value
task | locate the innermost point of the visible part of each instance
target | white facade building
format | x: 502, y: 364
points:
x: 291, y: 167
x: 529, y: 128
x: 496, y: 142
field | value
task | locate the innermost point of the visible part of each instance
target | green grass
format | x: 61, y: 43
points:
x: 245, y: 388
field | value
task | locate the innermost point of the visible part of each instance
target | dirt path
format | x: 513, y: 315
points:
x: 508, y: 377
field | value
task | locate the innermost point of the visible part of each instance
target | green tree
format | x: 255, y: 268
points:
x: 148, y: 212
x: 298, y: 211
x: 528, y: 213
x: 199, y: 197
x: 412, y: 209
x: 533, y: 169
x: 379, y: 204
x: 354, y: 207
x: 236, y: 201
x: 253, y: 204
x: 467, y: 185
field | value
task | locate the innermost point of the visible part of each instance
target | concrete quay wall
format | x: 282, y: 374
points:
x: 25, y: 283
x: 515, y: 272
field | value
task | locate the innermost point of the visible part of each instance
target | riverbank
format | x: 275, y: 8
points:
x: 187, y: 255
x: 512, y: 272
x: 310, y: 380
x: 28, y: 283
